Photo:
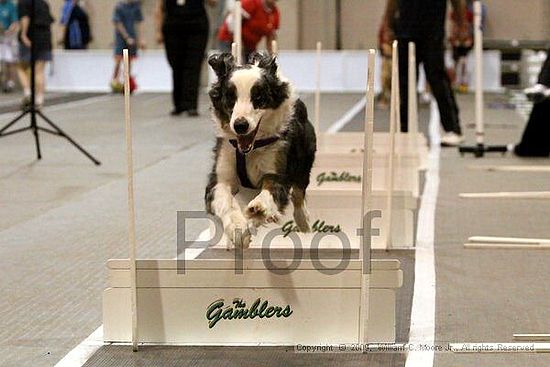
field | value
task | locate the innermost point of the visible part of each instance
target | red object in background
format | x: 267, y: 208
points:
x: 258, y: 22
x: 133, y: 84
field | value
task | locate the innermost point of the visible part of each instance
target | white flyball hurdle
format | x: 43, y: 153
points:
x: 237, y: 34
x: 213, y: 304
x: 412, y: 145
x: 338, y: 156
x: 339, y: 174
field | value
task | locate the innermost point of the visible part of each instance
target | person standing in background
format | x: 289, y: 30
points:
x: 183, y: 27
x: 40, y: 38
x: 9, y: 21
x: 128, y: 21
x: 535, y: 141
x: 423, y: 22
x: 75, y: 26
x: 260, y: 19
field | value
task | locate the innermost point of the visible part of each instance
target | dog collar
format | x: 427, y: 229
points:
x: 241, y: 158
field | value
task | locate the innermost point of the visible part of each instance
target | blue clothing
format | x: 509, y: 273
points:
x: 129, y: 14
x: 8, y: 14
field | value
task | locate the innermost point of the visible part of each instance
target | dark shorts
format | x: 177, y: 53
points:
x: 121, y: 45
x: 44, y: 54
x: 461, y: 51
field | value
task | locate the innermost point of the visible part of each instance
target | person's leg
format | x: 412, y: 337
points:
x: 40, y: 82
x: 436, y: 74
x: 192, y: 65
x: 403, y: 47
x: 23, y: 69
x: 535, y: 141
x: 116, y: 70
x: 174, y: 44
x: 10, y: 84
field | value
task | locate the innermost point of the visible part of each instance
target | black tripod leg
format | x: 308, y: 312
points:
x: 63, y: 134
x: 13, y: 122
x: 34, y: 128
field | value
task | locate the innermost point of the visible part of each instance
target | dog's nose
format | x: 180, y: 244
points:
x: 240, y: 125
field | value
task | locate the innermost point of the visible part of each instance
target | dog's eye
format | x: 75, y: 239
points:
x: 259, y: 102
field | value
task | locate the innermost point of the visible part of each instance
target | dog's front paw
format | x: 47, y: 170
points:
x: 262, y: 209
x: 238, y: 232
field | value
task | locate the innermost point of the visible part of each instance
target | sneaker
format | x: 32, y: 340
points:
x: 9, y: 87
x: 117, y: 87
x: 25, y: 103
x: 425, y: 98
x: 537, y: 93
x: 451, y: 140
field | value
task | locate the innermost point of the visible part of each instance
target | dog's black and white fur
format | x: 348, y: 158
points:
x: 252, y: 103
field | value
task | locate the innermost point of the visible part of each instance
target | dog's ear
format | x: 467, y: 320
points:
x: 265, y: 61
x: 222, y: 64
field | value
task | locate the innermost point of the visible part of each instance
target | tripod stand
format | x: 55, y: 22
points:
x: 35, y: 112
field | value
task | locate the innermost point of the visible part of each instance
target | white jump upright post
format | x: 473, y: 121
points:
x: 366, y: 204
x: 394, y: 116
x: 317, y: 118
x: 234, y: 50
x: 480, y: 148
x: 131, y: 202
x: 479, y: 98
x: 237, y: 38
x: 274, y: 48
x: 412, y: 97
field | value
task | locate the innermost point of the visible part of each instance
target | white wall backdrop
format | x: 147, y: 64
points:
x: 342, y: 71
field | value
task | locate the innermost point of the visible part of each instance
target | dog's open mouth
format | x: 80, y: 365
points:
x: 246, y: 142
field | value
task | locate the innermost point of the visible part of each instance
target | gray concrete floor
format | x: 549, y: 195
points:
x: 62, y: 218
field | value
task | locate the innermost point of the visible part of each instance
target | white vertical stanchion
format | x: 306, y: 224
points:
x: 478, y: 44
x: 131, y: 202
x: 480, y: 148
x: 412, y: 97
x: 234, y: 50
x: 238, y: 39
x: 394, y: 119
x: 317, y: 123
x: 364, y: 250
x: 274, y: 48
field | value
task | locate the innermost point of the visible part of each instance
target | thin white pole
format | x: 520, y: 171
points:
x: 532, y: 337
x: 413, y: 103
x: 364, y: 250
x: 237, y: 18
x: 542, y: 195
x: 394, y: 115
x: 511, y: 240
x: 274, y: 48
x: 506, y: 246
x: 131, y: 202
x: 317, y: 123
x: 234, y: 50
x: 478, y: 41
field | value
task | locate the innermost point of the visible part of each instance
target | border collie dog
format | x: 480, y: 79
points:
x: 264, y: 142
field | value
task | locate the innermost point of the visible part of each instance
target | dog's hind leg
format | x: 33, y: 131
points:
x: 301, y: 214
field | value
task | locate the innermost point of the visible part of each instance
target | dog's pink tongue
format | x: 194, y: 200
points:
x: 245, y: 142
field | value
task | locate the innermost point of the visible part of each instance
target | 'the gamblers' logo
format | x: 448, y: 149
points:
x: 218, y: 310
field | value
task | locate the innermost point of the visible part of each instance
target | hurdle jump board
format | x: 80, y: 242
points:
x: 350, y: 142
x: 406, y: 177
x: 335, y: 212
x: 350, y: 178
x: 175, y: 308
